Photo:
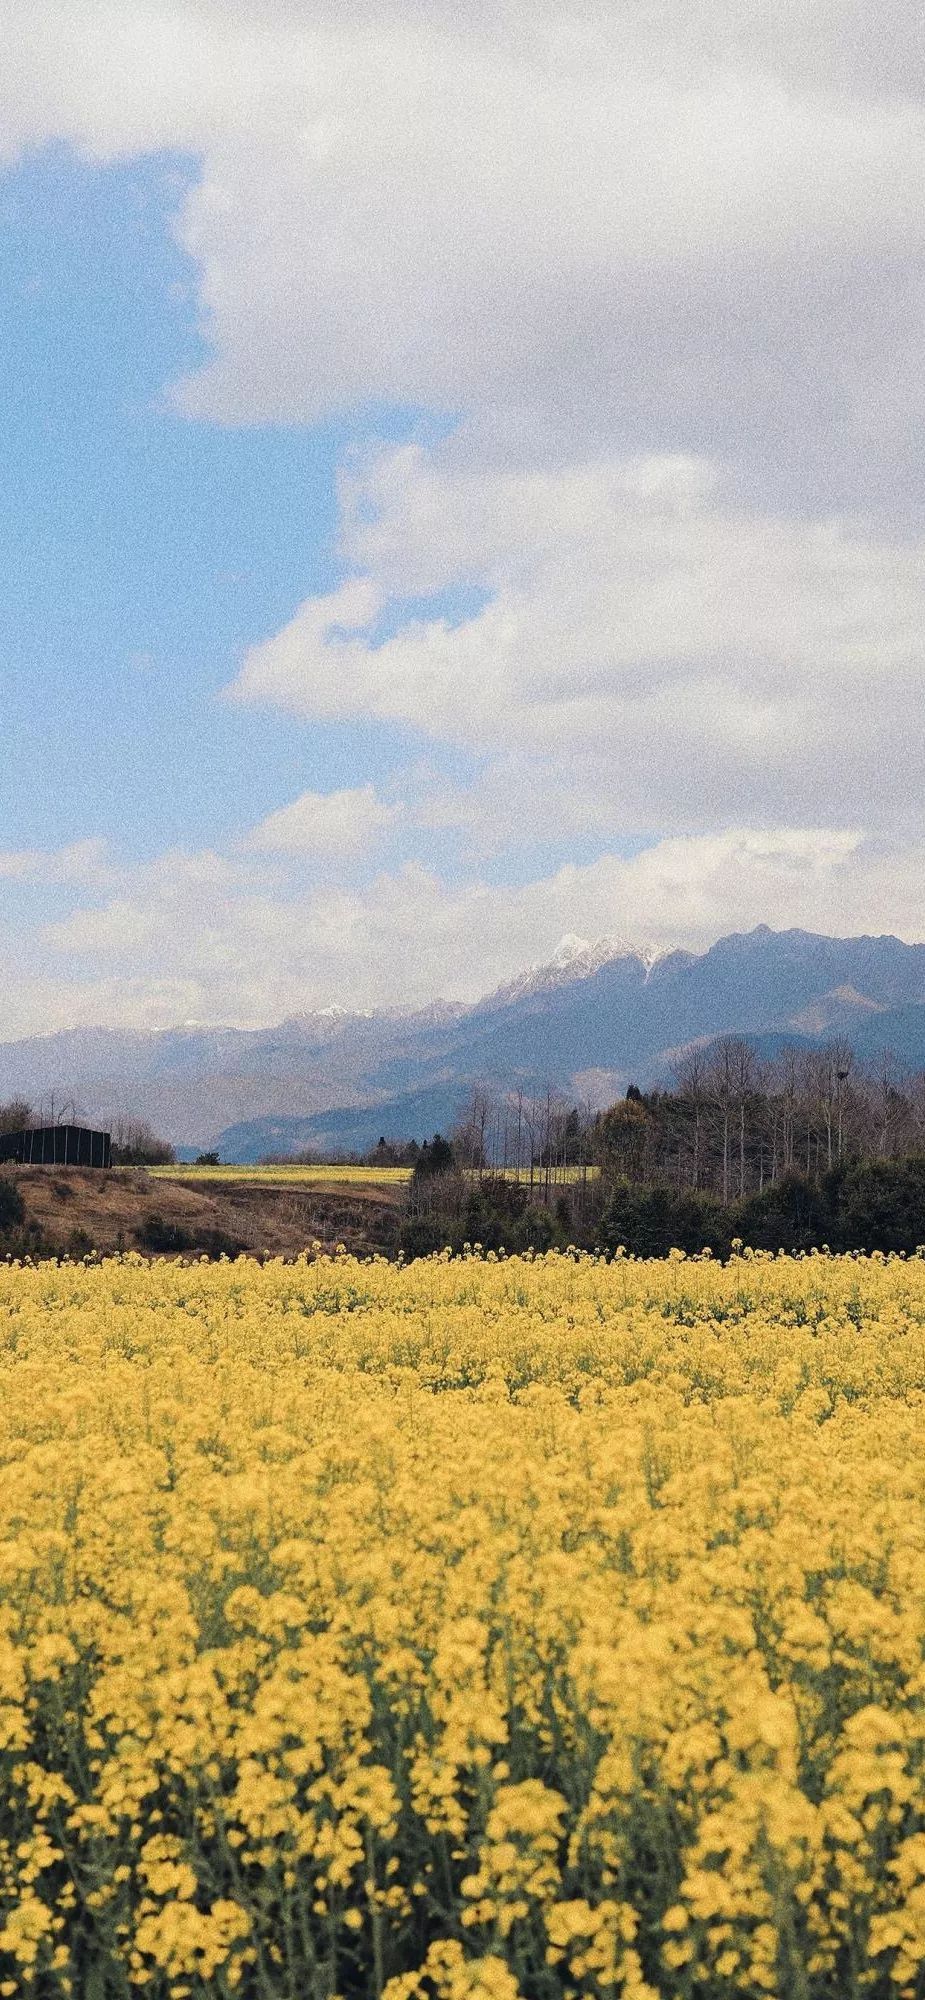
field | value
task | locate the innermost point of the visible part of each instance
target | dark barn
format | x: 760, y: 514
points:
x: 57, y: 1146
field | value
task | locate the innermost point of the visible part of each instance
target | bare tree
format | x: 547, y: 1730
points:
x: 134, y: 1144
x: 745, y: 1081
x: 692, y: 1077
x: 722, y: 1076
x: 890, y: 1103
x: 843, y: 1058
x: 470, y: 1132
x: 915, y: 1098
x: 788, y: 1073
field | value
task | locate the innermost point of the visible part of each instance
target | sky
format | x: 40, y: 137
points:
x: 461, y: 482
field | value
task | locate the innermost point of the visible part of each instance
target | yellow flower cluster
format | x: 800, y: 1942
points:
x: 523, y: 1629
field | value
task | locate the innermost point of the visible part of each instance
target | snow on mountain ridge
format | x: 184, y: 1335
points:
x: 575, y: 958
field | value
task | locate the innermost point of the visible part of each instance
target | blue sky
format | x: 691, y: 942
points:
x: 143, y: 551
x: 460, y: 483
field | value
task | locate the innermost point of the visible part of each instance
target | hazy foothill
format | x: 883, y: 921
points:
x: 794, y: 1115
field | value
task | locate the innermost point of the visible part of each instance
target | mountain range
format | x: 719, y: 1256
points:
x: 598, y: 1015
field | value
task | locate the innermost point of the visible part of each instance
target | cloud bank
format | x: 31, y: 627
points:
x: 210, y: 937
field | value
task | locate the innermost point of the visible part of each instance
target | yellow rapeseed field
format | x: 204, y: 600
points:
x: 288, y: 1173
x: 504, y: 1630
x: 285, y: 1173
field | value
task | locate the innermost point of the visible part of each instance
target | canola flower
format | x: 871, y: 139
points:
x: 333, y: 1175
x: 483, y: 1630
x: 286, y: 1174
x: 329, y: 1173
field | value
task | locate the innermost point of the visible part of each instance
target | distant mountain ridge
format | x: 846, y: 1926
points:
x: 595, y: 1016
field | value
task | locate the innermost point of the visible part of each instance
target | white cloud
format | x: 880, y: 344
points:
x: 648, y: 646
x: 681, y: 227
x: 82, y: 864
x: 471, y: 219
x: 325, y: 825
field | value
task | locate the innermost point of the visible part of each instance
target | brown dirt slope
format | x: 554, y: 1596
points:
x: 77, y: 1211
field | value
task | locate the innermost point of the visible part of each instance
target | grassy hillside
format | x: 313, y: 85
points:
x: 71, y: 1211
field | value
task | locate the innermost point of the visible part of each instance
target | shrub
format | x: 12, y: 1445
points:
x: 18, y: 1236
x: 164, y: 1238
x: 793, y: 1214
x: 12, y: 1208
x: 650, y: 1221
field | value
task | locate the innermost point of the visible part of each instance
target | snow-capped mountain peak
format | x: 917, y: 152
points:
x: 569, y: 949
x: 574, y: 958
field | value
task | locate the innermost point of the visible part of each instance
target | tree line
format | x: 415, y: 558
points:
x: 809, y: 1148
x: 726, y: 1121
x: 730, y: 1122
